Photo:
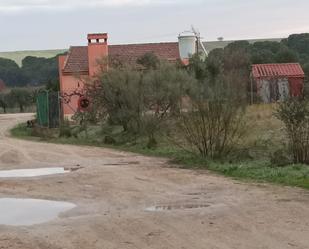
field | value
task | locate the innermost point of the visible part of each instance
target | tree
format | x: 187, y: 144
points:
x: 34, y: 71
x: 237, y: 68
x: 197, y: 67
x: 21, y: 98
x: 40, y: 70
x: 271, y: 46
x: 262, y: 56
x: 11, y: 73
x: 239, y: 45
x: 237, y: 57
x: 118, y: 96
x: 163, y: 90
x: 138, y: 100
x: 285, y: 55
x: 215, y: 62
x: 212, y: 124
x: 4, y: 101
x: 148, y: 61
x: 53, y: 85
x: 299, y: 43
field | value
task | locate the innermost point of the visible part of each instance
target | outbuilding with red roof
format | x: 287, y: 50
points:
x: 276, y: 82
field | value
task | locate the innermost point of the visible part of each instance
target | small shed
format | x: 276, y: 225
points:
x: 276, y: 82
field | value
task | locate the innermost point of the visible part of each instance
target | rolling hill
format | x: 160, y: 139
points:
x: 18, y: 56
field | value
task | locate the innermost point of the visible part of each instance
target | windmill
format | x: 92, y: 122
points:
x: 190, y: 43
x: 199, y: 41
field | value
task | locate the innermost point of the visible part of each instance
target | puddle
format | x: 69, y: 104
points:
x: 32, y: 172
x: 176, y: 207
x: 121, y: 163
x: 26, y: 212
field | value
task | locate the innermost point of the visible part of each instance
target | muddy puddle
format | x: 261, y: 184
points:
x: 26, y: 212
x: 176, y: 207
x: 20, y: 173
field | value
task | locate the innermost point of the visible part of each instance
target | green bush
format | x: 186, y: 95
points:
x: 109, y: 140
x: 294, y: 113
x: 280, y: 158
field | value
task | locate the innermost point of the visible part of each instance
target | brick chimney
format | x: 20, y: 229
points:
x: 97, y: 51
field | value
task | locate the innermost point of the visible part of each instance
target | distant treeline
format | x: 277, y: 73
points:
x: 34, y: 71
x: 293, y: 49
x: 18, y: 100
x: 41, y: 71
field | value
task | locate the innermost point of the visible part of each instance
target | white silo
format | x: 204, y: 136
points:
x: 187, y: 45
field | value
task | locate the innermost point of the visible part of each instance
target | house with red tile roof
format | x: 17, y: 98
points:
x: 276, y: 82
x: 81, y: 62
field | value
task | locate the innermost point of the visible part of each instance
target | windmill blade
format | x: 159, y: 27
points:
x: 195, y: 31
x: 203, y: 47
x: 200, y: 43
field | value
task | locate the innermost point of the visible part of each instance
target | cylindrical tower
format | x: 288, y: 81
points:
x: 187, y: 46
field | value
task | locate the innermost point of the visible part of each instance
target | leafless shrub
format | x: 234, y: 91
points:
x: 214, y: 123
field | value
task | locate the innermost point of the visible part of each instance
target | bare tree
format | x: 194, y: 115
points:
x: 214, y: 123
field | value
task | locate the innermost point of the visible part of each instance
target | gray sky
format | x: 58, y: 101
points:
x: 49, y: 24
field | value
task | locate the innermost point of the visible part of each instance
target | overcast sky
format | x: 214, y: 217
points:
x: 50, y: 24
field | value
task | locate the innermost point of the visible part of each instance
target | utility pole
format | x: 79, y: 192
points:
x: 198, y: 41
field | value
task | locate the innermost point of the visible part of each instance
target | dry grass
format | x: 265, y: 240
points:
x: 265, y: 132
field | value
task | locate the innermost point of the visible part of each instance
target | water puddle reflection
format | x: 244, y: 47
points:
x: 26, y: 212
x: 31, y: 172
x: 176, y: 207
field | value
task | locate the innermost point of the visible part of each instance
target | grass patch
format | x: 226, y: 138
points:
x: 292, y: 175
x: 21, y: 131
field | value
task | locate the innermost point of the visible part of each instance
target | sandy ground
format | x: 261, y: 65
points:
x: 113, y: 190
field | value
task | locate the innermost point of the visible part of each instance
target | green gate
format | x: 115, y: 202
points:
x: 48, y: 109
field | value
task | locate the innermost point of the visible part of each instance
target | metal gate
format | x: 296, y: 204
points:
x: 48, y: 109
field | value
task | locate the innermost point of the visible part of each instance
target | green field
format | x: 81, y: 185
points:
x: 18, y: 56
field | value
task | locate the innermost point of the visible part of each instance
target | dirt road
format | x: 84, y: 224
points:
x: 115, y: 193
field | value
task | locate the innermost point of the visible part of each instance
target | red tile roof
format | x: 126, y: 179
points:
x: 77, y: 61
x: 278, y: 70
x: 130, y: 53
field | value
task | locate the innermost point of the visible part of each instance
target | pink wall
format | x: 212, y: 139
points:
x: 70, y: 84
x: 97, y: 51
